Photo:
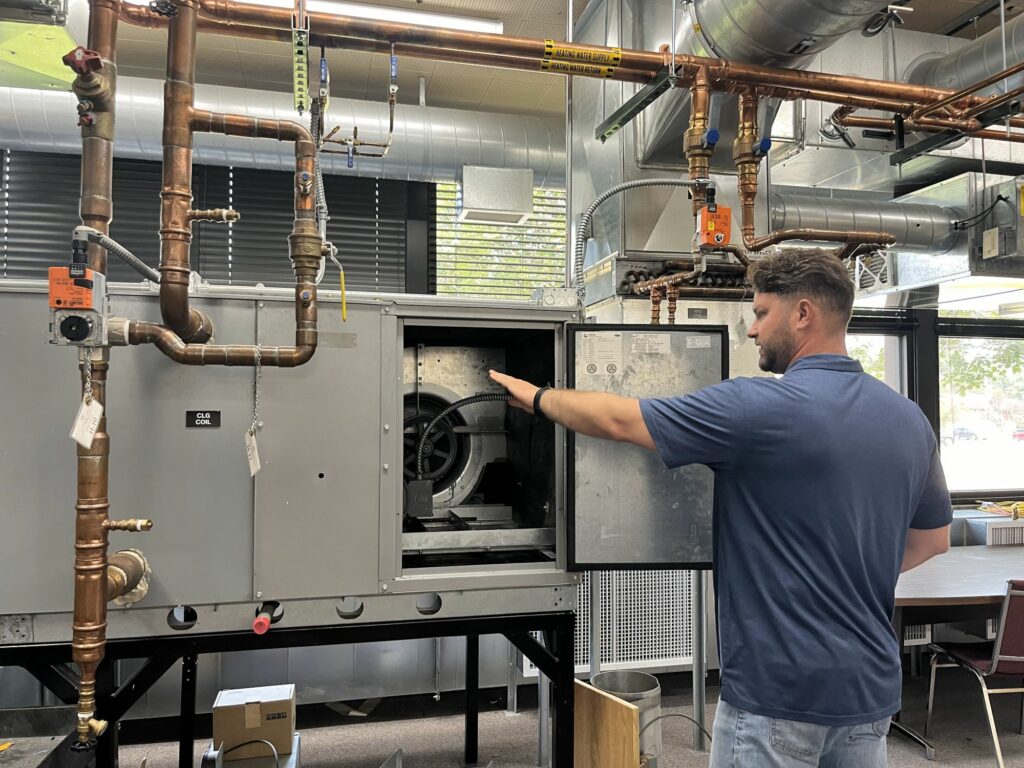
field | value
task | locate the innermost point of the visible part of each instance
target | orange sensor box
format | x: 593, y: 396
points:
x: 714, y: 225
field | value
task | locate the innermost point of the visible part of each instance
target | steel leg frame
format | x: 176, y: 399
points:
x: 160, y: 653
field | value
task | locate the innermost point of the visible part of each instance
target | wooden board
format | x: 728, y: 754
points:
x: 606, y: 729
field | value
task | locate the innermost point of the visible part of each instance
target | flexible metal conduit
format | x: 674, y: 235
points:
x: 127, y: 257
x: 975, y: 61
x: 583, y: 228
x: 915, y: 227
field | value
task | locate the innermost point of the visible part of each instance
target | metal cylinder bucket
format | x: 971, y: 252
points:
x: 644, y: 692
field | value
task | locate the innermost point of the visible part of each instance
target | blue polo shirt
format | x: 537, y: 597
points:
x: 818, y: 476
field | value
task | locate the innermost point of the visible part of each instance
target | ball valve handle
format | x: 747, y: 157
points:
x: 83, y: 61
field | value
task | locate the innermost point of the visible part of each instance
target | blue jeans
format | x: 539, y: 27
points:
x: 745, y: 740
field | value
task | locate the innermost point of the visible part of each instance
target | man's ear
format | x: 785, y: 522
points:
x: 805, y: 312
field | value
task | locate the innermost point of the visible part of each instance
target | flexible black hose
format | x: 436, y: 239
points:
x: 486, y: 397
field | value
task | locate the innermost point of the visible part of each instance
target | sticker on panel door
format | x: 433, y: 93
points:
x: 650, y: 344
x: 601, y: 352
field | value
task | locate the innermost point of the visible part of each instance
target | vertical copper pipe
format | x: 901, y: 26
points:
x: 695, y: 148
x: 89, y: 625
x: 657, y: 293
x: 89, y: 622
x: 176, y: 192
x: 747, y: 161
x: 672, y: 291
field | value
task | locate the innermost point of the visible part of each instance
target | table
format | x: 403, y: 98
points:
x: 963, y: 584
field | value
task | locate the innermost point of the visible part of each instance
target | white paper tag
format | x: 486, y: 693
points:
x: 698, y: 342
x: 87, y: 422
x: 650, y: 344
x: 252, y: 452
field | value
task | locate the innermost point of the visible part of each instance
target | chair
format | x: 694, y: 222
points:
x: 1003, y: 658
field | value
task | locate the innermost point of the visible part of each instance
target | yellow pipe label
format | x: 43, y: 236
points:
x: 566, y: 52
x: 573, y: 68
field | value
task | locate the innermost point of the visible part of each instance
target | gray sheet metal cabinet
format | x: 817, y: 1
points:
x: 324, y: 528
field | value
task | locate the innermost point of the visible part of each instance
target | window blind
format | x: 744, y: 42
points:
x: 500, y: 261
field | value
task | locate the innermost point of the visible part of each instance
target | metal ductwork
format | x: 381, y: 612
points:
x: 917, y: 228
x: 975, y: 61
x: 785, y: 34
x: 430, y: 143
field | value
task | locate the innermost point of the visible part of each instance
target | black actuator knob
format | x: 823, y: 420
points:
x: 75, y: 328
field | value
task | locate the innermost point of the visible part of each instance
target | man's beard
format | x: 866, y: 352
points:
x: 776, y: 356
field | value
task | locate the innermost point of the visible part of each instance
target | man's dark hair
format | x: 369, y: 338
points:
x: 814, y: 273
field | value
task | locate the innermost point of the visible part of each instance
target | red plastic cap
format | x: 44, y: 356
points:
x: 83, y: 61
x: 261, y: 624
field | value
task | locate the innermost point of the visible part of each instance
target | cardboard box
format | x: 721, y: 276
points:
x: 245, y: 714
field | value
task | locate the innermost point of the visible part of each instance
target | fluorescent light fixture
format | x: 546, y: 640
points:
x: 381, y: 13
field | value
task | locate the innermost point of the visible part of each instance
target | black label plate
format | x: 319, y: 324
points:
x: 202, y: 419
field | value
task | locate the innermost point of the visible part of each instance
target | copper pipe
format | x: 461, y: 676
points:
x: 128, y: 525
x: 672, y: 291
x: 523, y: 53
x: 665, y: 281
x: 143, y: 17
x: 189, y: 323
x: 695, y: 149
x: 715, y: 293
x: 656, y: 295
x: 744, y: 155
x: 967, y: 92
x: 996, y: 101
x: 281, y: 130
x: 823, y: 235
x: 89, y: 624
x: 125, y: 570
x: 219, y: 215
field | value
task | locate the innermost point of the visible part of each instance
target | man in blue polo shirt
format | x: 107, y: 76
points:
x: 827, y: 486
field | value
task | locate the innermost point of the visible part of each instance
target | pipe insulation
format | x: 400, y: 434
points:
x: 430, y: 143
x: 923, y: 228
x: 975, y: 61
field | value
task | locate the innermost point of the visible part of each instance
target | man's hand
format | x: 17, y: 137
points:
x: 522, y: 392
x: 596, y: 414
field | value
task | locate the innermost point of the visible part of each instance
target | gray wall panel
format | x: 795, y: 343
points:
x: 39, y: 394
x: 331, y: 408
x: 193, y: 483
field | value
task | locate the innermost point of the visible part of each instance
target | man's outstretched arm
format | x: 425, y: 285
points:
x: 597, y: 414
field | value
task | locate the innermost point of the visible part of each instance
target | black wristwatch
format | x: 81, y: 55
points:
x: 537, y: 410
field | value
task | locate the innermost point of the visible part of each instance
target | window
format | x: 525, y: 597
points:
x: 881, y: 355
x: 500, y: 261
x: 981, y: 399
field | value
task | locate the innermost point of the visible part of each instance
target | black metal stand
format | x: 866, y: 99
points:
x: 47, y: 664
